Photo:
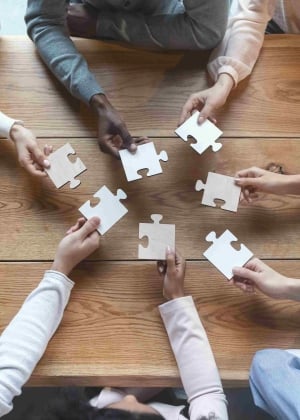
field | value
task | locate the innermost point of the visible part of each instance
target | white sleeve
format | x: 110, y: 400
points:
x: 6, y: 124
x: 195, y: 360
x: 25, y: 339
x: 236, y: 55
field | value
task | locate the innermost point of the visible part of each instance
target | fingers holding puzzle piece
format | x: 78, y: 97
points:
x: 160, y: 236
x: 205, y: 134
x: 221, y: 187
x: 62, y: 170
x: 109, y: 209
x: 223, y: 256
x: 144, y: 157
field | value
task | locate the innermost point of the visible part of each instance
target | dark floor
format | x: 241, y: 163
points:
x: 240, y: 404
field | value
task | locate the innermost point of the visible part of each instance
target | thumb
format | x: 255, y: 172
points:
x: 205, y: 113
x: 246, y: 274
x: 90, y: 226
x: 39, y: 157
x: 170, y: 259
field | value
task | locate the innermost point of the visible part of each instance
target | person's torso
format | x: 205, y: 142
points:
x: 287, y: 15
x: 141, y: 6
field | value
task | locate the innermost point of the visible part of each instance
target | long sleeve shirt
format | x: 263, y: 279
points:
x: 236, y: 55
x: 196, y: 364
x: 25, y: 339
x: 194, y: 24
x: 6, y: 124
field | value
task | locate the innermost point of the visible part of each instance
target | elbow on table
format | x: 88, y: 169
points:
x: 212, y: 38
x: 207, y: 38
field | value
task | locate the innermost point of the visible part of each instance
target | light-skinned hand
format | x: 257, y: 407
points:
x: 258, y: 275
x: 30, y: 156
x: 172, y: 273
x: 113, y: 134
x: 254, y: 180
x: 208, y: 101
x: 80, y: 241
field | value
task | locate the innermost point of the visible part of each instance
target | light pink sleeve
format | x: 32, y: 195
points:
x: 194, y: 357
x: 236, y: 55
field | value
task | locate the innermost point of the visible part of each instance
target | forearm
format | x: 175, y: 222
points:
x: 47, y: 28
x: 237, y: 53
x: 199, y: 26
x: 25, y: 339
x: 291, y: 184
x: 195, y: 360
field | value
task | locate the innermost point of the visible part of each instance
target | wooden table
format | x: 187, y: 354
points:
x: 111, y: 333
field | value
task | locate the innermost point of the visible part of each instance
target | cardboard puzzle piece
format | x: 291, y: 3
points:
x: 109, y: 209
x: 62, y: 170
x: 144, y: 157
x: 220, y: 187
x: 159, y: 237
x: 223, y: 256
x: 205, y: 134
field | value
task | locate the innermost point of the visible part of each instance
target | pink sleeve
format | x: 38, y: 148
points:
x: 236, y: 55
x: 194, y: 357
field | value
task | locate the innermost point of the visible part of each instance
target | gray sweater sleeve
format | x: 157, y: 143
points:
x: 201, y: 26
x: 47, y: 28
x: 25, y: 339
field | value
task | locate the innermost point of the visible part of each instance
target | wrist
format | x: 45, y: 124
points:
x: 292, y: 289
x: 60, y: 267
x: 225, y: 82
x: 99, y: 102
x: 16, y: 131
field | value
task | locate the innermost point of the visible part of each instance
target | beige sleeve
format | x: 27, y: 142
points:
x: 236, y: 55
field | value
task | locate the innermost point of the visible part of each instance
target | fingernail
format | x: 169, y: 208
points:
x: 46, y: 163
x: 169, y: 250
x: 200, y: 120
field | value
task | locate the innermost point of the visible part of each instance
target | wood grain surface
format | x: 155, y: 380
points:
x: 34, y: 212
x: 112, y: 333
x: 149, y: 89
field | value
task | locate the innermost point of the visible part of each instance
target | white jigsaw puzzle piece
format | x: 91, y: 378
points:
x: 159, y: 237
x: 221, y: 187
x: 110, y: 209
x: 223, y: 256
x: 144, y: 157
x: 205, y: 134
x: 62, y: 170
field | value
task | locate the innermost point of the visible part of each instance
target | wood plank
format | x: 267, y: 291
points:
x: 113, y: 333
x: 34, y: 215
x: 149, y: 89
x: 267, y: 103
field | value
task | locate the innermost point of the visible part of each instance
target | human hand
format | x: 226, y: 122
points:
x: 172, y: 272
x: 208, y: 101
x: 112, y: 131
x: 256, y: 179
x: 30, y: 155
x: 258, y: 275
x: 80, y: 241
